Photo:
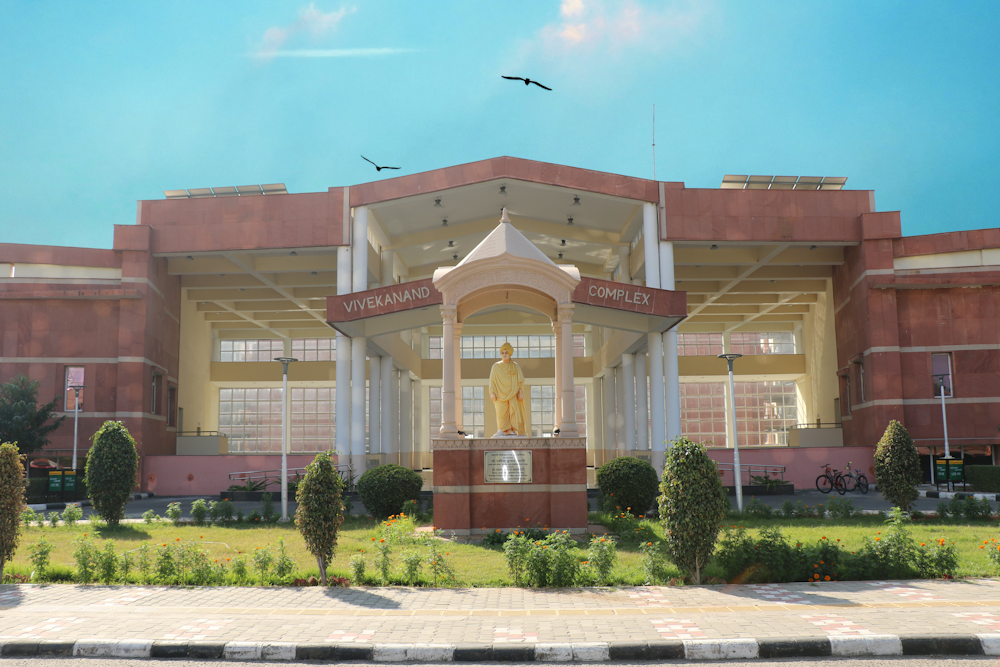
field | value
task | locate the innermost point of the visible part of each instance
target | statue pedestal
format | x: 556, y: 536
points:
x: 484, y: 484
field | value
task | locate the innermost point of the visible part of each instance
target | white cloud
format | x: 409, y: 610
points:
x: 311, y: 21
x: 615, y: 25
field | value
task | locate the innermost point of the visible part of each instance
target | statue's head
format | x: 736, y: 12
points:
x: 506, y: 351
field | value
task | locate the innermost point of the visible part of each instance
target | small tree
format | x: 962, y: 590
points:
x: 22, y: 421
x: 897, y: 466
x: 628, y: 483
x: 111, y: 468
x: 12, y: 483
x: 384, y: 489
x: 692, y: 506
x: 321, y: 510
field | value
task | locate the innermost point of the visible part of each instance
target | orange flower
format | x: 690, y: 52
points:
x: 382, y: 540
x: 649, y: 544
x: 877, y: 539
x: 822, y: 563
x: 838, y: 539
x: 828, y: 577
x: 373, y: 539
x: 924, y: 545
x: 824, y: 537
x: 178, y: 539
x: 228, y: 559
x: 201, y: 537
x: 603, y: 540
x: 815, y: 565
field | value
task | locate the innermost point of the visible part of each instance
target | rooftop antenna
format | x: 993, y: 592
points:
x: 654, y: 141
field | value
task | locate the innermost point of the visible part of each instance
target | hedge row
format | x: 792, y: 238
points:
x: 985, y: 479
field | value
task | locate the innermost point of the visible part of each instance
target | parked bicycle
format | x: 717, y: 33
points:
x: 830, y: 480
x: 854, y: 480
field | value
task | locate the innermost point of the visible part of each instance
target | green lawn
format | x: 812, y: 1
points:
x: 473, y: 564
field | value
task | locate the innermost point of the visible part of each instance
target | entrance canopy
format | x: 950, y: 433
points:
x: 598, y: 302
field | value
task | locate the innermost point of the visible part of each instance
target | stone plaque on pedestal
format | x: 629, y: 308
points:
x: 507, y: 467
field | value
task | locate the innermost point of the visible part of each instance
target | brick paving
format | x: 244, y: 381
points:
x: 500, y: 615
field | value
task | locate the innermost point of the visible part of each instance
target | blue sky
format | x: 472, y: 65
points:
x: 104, y: 104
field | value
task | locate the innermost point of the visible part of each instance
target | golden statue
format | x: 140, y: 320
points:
x: 507, y: 394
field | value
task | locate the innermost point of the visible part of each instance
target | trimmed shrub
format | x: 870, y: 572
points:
x: 384, y: 489
x: 11, y: 501
x: 897, y: 466
x: 320, y: 511
x: 984, y: 479
x: 628, y: 484
x: 111, y: 468
x: 693, y: 505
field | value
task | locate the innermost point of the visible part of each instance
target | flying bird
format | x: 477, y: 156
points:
x: 526, y: 81
x: 377, y: 168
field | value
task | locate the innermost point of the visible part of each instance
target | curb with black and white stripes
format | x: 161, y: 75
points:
x: 688, y: 649
x: 961, y: 495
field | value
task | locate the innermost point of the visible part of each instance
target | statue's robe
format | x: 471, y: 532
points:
x: 506, y: 379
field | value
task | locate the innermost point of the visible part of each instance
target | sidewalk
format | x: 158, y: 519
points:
x: 507, y: 624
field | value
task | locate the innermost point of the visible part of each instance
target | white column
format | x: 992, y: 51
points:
x: 385, y: 387
x: 459, y: 417
x: 609, y: 393
x: 624, y: 264
x: 388, y: 259
x: 595, y: 421
x: 359, y: 346
x: 671, y: 372
x: 419, y: 425
x: 557, y: 376
x: 651, y: 238
x: 448, y: 426
x: 567, y: 427
x: 628, y: 378
x: 641, y: 403
x: 343, y: 379
x: 405, y: 420
x: 654, y: 341
x: 395, y: 413
x: 374, y: 406
x: 359, y: 249
x: 619, y: 411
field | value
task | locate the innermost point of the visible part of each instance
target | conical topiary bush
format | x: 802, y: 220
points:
x: 897, y: 466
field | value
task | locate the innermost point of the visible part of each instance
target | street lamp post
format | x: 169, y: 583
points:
x: 76, y: 416
x: 738, y: 473
x: 940, y: 381
x: 284, y: 434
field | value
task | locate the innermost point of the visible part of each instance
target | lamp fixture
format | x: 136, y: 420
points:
x: 560, y: 255
x: 562, y: 242
x: 503, y: 189
x: 569, y: 220
x: 189, y: 257
x: 813, y: 247
x: 437, y: 203
x: 576, y: 201
x: 444, y: 223
x: 451, y: 244
x: 714, y: 247
x: 455, y: 256
x: 294, y: 254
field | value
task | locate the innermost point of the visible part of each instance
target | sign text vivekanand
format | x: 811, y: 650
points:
x: 618, y: 294
x: 388, y: 299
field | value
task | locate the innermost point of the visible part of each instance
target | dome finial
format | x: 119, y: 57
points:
x: 503, y: 215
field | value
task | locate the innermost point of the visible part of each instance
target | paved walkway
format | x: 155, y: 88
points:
x: 851, y: 614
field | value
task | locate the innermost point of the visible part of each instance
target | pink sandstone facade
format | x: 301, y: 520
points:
x: 871, y: 308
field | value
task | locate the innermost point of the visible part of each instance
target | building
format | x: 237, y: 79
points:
x: 843, y: 323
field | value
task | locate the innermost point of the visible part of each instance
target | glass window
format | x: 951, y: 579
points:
x: 473, y: 411
x: 250, y: 350
x: 703, y: 412
x: 74, y: 377
x: 434, y: 347
x: 251, y: 417
x: 765, y: 411
x: 312, y: 349
x: 579, y: 345
x: 747, y: 343
x: 699, y: 344
x: 941, y: 373
x: 435, y: 411
x: 543, y: 409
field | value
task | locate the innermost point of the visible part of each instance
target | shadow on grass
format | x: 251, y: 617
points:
x: 126, y: 532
